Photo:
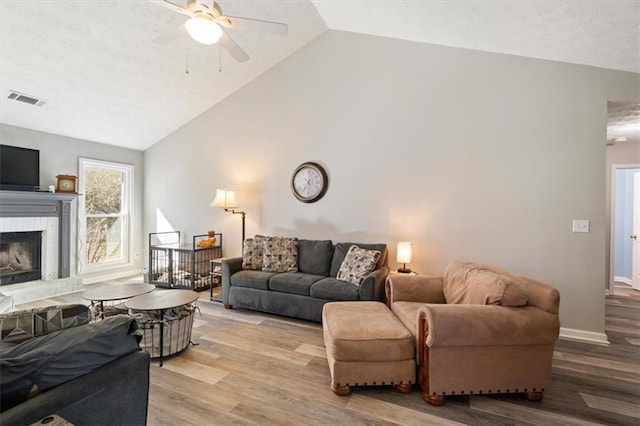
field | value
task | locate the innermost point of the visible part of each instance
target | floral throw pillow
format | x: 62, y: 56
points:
x: 252, y: 251
x: 280, y: 254
x: 357, y: 264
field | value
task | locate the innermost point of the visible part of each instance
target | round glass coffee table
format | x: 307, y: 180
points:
x: 114, y: 292
x: 160, y: 312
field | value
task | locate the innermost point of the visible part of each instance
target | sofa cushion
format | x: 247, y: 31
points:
x: 26, y: 324
x: 252, y: 253
x: 293, y: 282
x: 333, y: 289
x: 314, y: 256
x: 341, y: 249
x: 280, y: 254
x: 55, y: 358
x: 469, y: 283
x: 357, y: 264
x: 252, y: 279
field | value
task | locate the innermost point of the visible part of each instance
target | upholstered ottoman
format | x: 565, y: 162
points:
x: 367, y: 345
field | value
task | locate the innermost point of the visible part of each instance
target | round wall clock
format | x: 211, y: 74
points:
x: 309, y: 182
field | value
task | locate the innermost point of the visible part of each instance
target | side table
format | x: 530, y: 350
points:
x: 395, y: 272
x: 216, y: 278
x: 113, y: 292
x: 155, y: 304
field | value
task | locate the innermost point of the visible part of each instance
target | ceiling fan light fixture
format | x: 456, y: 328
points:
x: 203, y: 30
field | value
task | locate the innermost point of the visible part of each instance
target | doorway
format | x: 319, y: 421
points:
x: 623, y: 163
x: 625, y: 224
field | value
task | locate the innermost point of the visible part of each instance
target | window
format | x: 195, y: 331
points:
x: 105, y: 214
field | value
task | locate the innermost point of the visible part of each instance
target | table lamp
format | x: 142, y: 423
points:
x: 404, y: 256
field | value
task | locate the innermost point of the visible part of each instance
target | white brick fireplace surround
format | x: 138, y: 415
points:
x: 50, y: 213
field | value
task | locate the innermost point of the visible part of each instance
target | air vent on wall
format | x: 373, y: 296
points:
x: 27, y: 99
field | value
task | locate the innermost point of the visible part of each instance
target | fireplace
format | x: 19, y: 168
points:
x: 51, y: 214
x: 20, y: 257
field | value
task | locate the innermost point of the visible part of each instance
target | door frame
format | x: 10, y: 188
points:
x: 612, y: 207
x: 635, y: 228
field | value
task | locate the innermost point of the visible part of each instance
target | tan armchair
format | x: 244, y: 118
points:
x: 467, y: 340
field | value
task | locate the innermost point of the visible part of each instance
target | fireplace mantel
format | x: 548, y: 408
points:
x: 44, y: 204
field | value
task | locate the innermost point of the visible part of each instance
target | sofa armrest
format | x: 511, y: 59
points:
x: 230, y: 266
x: 414, y: 288
x: 487, y: 325
x: 372, y: 287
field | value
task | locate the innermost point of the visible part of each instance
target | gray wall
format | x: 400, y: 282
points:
x: 469, y: 155
x: 623, y: 256
x: 59, y: 155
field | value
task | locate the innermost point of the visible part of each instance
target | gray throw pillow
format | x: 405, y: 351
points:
x: 314, y: 256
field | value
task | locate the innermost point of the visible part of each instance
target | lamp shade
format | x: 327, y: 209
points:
x: 225, y: 198
x: 203, y: 30
x: 404, y: 252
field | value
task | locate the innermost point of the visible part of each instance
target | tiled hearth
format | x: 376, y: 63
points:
x: 51, y: 214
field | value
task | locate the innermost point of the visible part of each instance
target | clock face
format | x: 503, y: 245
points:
x: 66, y: 185
x: 309, y: 182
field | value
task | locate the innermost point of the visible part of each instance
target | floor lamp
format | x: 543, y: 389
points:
x: 226, y: 199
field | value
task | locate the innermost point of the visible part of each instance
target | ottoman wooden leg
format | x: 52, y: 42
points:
x: 404, y: 387
x: 533, y: 396
x: 227, y: 306
x: 436, y: 400
x: 340, y: 390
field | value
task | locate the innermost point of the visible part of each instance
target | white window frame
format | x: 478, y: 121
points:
x: 127, y: 216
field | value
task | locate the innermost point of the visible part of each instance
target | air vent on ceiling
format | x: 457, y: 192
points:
x: 27, y: 99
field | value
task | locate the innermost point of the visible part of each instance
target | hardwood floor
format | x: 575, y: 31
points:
x: 256, y: 369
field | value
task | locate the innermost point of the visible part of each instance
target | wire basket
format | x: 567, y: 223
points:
x: 177, y: 326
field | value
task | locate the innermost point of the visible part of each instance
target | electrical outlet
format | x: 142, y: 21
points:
x: 580, y: 225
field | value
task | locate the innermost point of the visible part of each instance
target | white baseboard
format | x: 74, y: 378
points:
x: 584, y: 336
x: 624, y: 280
x: 109, y: 275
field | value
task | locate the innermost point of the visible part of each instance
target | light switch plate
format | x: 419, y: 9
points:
x: 580, y: 225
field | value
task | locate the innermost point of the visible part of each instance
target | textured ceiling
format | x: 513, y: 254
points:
x: 105, y: 81
x: 623, y: 122
x: 602, y: 33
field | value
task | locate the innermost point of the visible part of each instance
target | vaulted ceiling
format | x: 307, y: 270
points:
x: 104, y: 80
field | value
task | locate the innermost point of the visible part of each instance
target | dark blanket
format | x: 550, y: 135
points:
x: 55, y: 358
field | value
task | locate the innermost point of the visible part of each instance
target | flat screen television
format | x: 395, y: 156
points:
x: 19, y: 168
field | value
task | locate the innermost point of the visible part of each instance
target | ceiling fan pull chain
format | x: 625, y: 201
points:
x: 186, y: 71
x: 219, y: 58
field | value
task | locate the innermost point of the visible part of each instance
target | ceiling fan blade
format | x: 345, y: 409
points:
x: 232, y: 47
x: 172, y: 6
x: 238, y: 23
x: 169, y: 36
x: 206, y: 5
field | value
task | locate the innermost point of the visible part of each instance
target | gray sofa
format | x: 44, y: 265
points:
x: 302, y: 294
x: 85, y: 373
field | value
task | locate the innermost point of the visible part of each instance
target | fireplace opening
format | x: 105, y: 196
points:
x: 20, y: 257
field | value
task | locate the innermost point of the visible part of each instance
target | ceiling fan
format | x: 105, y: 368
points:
x: 207, y: 25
